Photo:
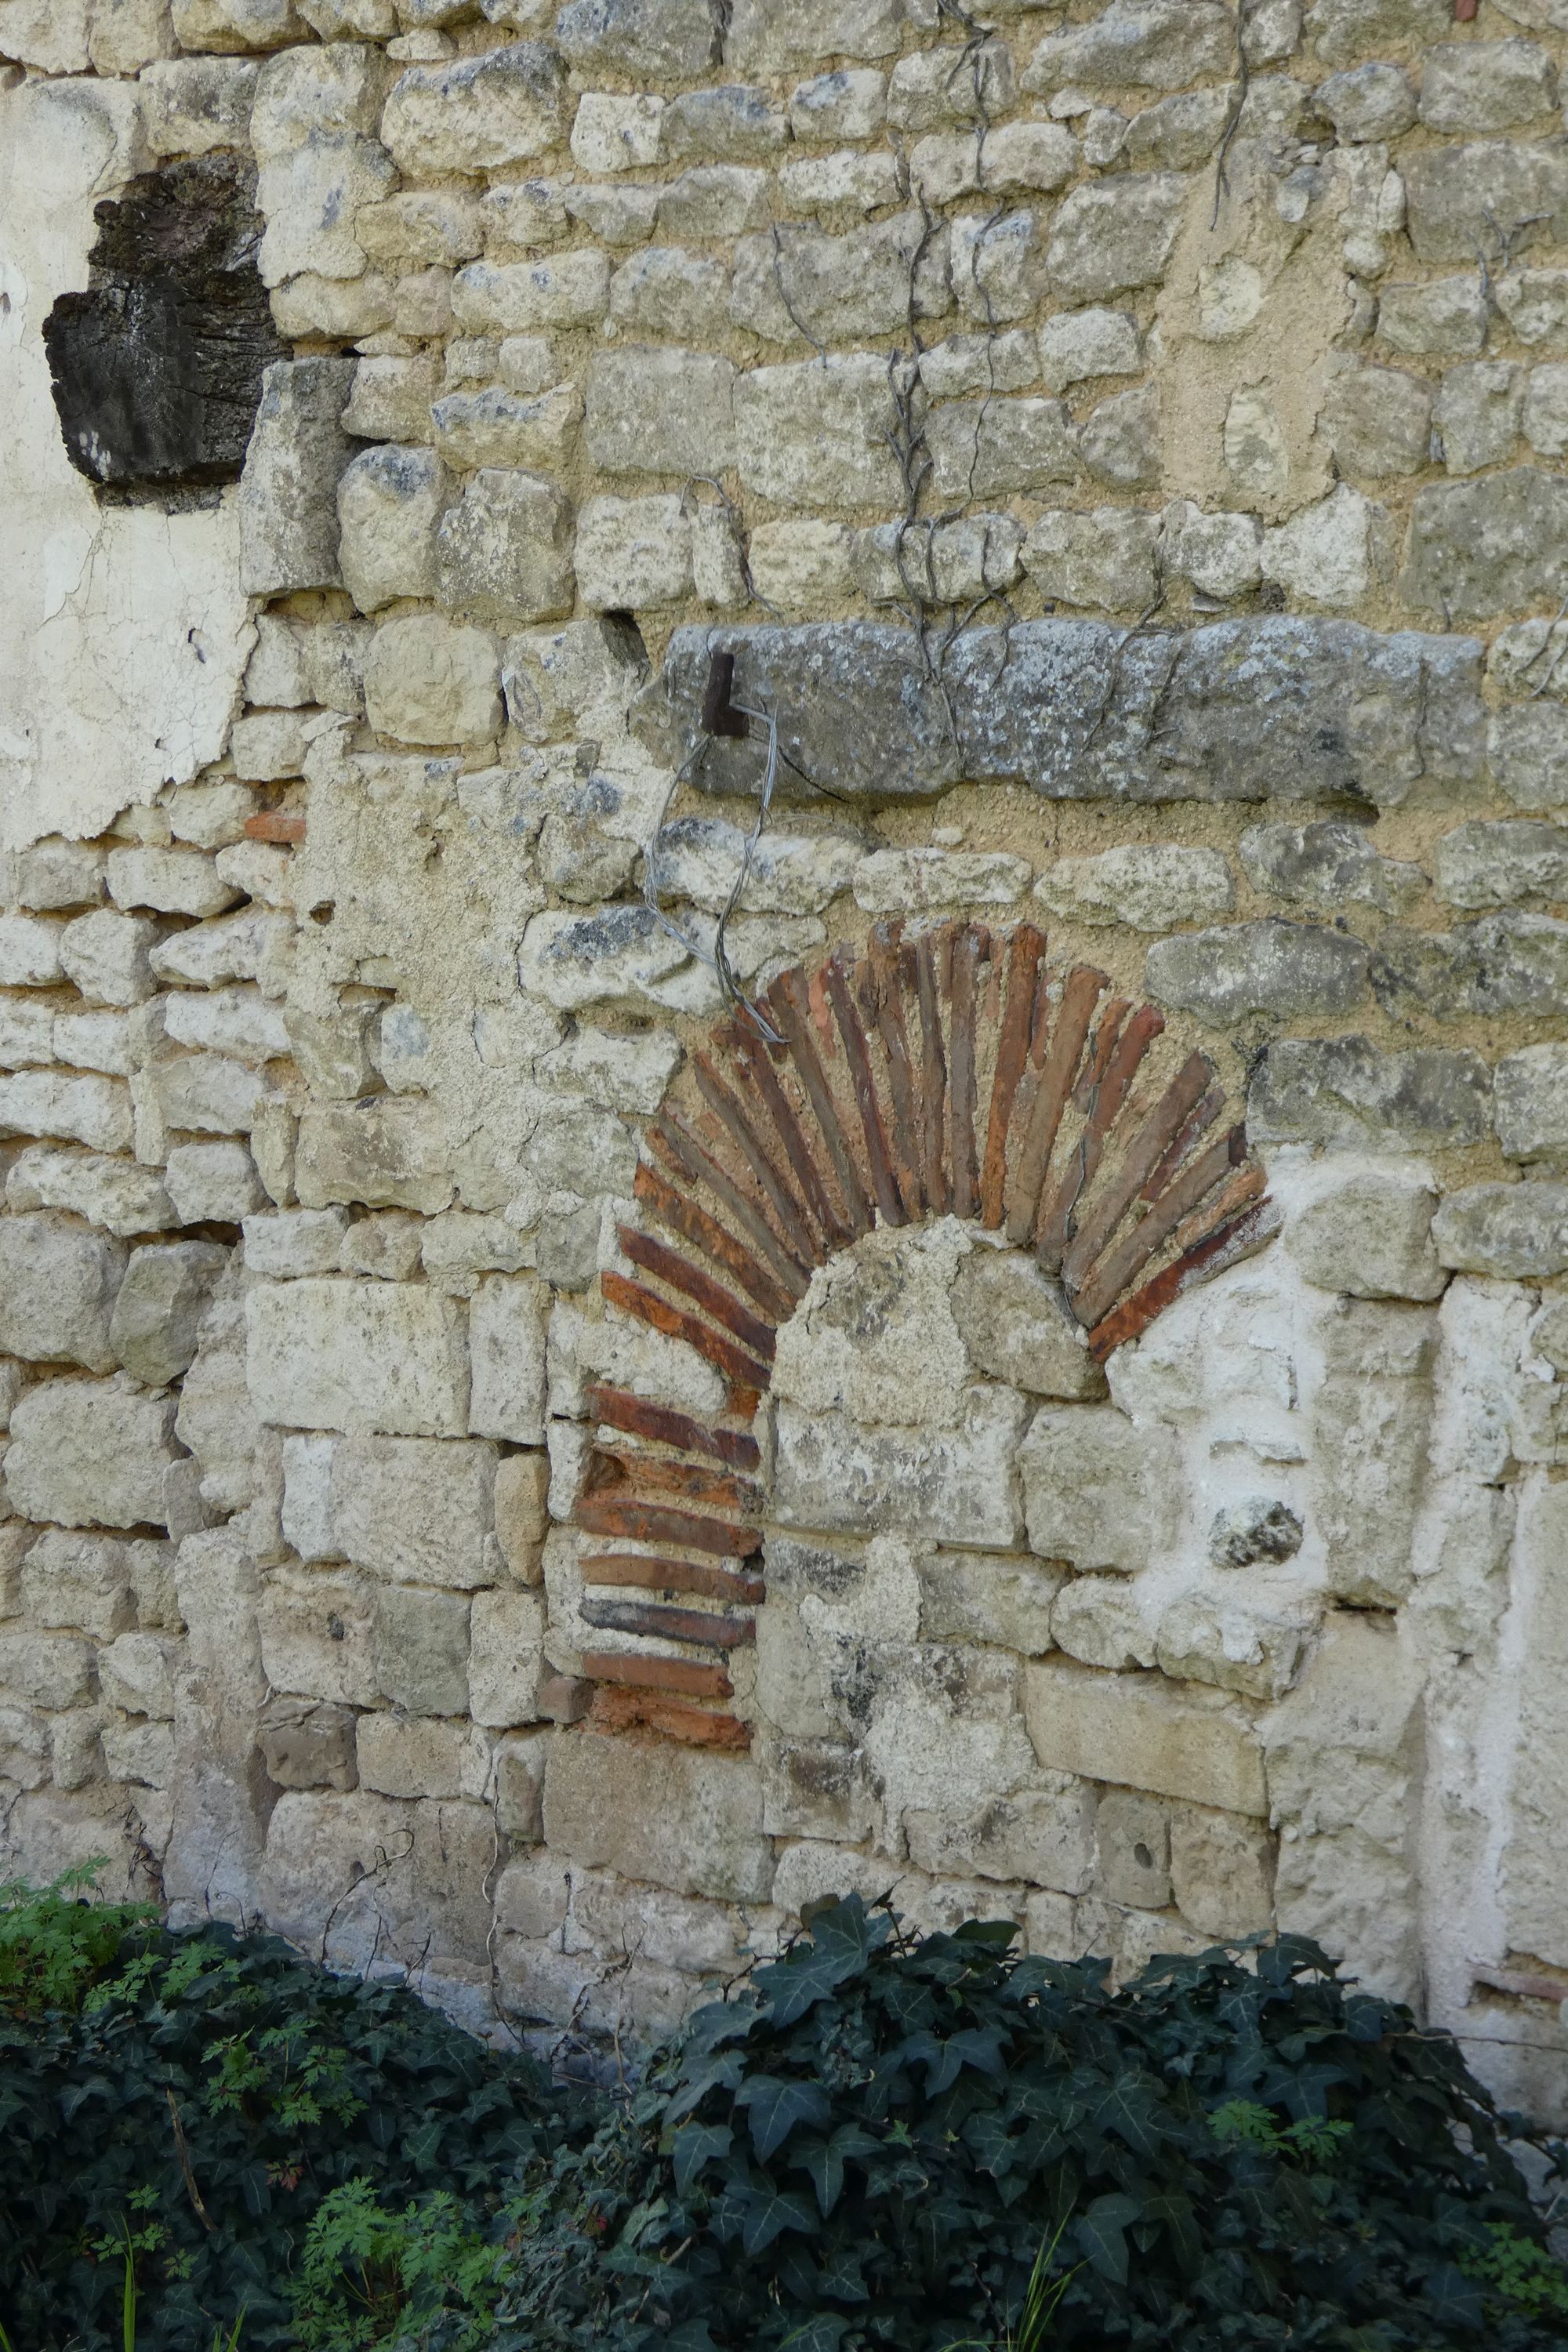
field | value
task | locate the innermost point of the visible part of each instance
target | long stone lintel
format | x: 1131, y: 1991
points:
x: 1281, y: 706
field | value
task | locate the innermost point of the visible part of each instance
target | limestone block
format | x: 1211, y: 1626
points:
x: 306, y: 1513
x: 212, y: 1183
x: 533, y: 1896
x: 158, y: 1313
x: 1326, y: 864
x: 1152, y: 887
x: 1446, y: 314
x: 416, y: 1507
x: 1119, y: 439
x: 1517, y: 1231
x: 205, y: 1094
x: 285, y: 1242
x: 1045, y: 1836
x: 892, y: 880
x: 336, y: 308
x: 632, y: 553
x: 987, y: 448
x: 94, y: 1111
x: 1476, y: 415
x: 1530, y: 1096
x: 1544, y: 417
x: 1141, y: 1732
x: 113, y: 1193
x: 24, y: 1749
x: 1508, y: 962
x: 1105, y: 558
x: 429, y: 682
x: 1132, y: 1842
x: 315, y: 1631
x: 288, y: 518
x: 521, y: 1489
x: 1150, y: 44
x: 477, y: 114
x: 51, y: 875
x: 502, y: 427
x: 1369, y: 1462
x: 507, y: 1659
x: 50, y: 1670
x: 362, y: 1357
x: 29, y: 952
x: 390, y: 503
x: 1100, y: 1620
x: 867, y: 182
x: 573, y: 961
x: 1015, y: 1325
x: 106, y: 955
x: 810, y: 433
x: 520, y: 1787
x: 386, y: 1246
x: 684, y: 1818
x: 58, y: 1288
x: 503, y: 550
x: 513, y: 297
x: 458, y: 1246
x: 410, y: 1756
x: 957, y: 1484
x: 1367, y: 102
x: 1370, y: 1236
x: 738, y: 123
x: 309, y: 1744
x: 308, y: 195
x: 1222, y: 1871
x: 1485, y: 547
x: 1486, y: 85
x: 660, y: 40
x: 1208, y: 1638
x: 90, y: 1454
x: 1498, y: 863
x: 1346, y: 1091
x: 419, y: 1644
x: 77, y: 1581
x: 238, y: 947
x: 848, y: 104
x: 138, y: 1751
x: 987, y: 1597
x: 1378, y: 421
x: 625, y: 1354
x: 1528, y: 749
x: 1324, y: 553
x: 398, y: 1881
x: 136, y: 1674
x: 115, y: 1042
x: 507, y: 1336
x: 1096, y: 1490
x: 1111, y: 235
x: 616, y: 134
x: 384, y: 1154
x: 797, y: 565
x: 391, y: 398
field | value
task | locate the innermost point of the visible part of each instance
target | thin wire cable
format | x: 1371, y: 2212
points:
x: 717, y: 957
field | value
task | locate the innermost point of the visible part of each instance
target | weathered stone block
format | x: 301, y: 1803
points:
x: 1150, y: 44
x: 632, y: 552
x: 1141, y: 1732
x: 1113, y: 234
x: 80, y: 1582
x: 1528, y: 750
x: 684, y: 1818
x: 1477, y: 548
x: 58, y: 1281
x: 1100, y: 1620
x: 1328, y: 866
x: 381, y: 1153
x: 1096, y: 1490
x: 1369, y: 1461
x: 1222, y: 1871
x: 113, y: 1193
x: 429, y: 682
x: 522, y: 1519
x: 1207, y: 1638
x: 136, y: 1673
x: 50, y: 1670
x: 957, y: 1485
x: 1496, y: 864
x: 507, y: 1322
x: 1379, y: 421
x: 1043, y: 1836
x: 477, y: 114
x: 520, y: 1786
x: 158, y: 1313
x: 315, y: 1633
x: 1452, y: 194
x: 90, y: 1454
x: 416, y: 1507
x: 1529, y: 1098
x: 811, y: 434
x: 987, y: 1597
x: 309, y: 1744
x: 1517, y: 1231
x: 288, y: 514
x: 285, y: 1242
x: 1016, y: 1327
x: 94, y: 1111
x: 410, y: 1756
x: 658, y: 40
x: 1104, y: 559
x: 1132, y: 1840
x: 1506, y: 962
x: 986, y: 447
x: 1476, y: 415
x: 1371, y: 1237
x: 506, y: 1660
x: 1152, y: 887
x: 212, y: 1183
x: 400, y: 1881
x: 363, y: 1357
x: 502, y: 552
x: 390, y: 503
x: 1346, y: 1091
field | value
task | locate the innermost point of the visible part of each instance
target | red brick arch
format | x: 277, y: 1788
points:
x: 956, y: 1073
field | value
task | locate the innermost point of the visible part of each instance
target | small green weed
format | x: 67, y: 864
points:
x: 55, y: 1943
x: 370, y: 2274
x: 1315, y: 2139
x: 1521, y: 2272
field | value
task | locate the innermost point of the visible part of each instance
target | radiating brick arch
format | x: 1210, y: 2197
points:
x: 956, y: 1073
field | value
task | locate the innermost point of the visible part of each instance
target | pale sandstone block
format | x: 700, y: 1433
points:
x: 410, y: 1756
x: 58, y: 1287
x: 315, y: 1635
x: 1142, y: 1732
x: 398, y: 1880
x: 1222, y: 1871
x: 309, y: 1744
x: 416, y: 1507
x: 90, y: 1454
x: 1370, y: 1237
x: 419, y: 1642
x: 212, y: 1183
x: 381, y: 1153
x: 507, y: 1658
x: 158, y: 1313
x: 1097, y: 1491
x: 357, y: 1356
x: 50, y: 1670
x: 507, y: 1325
x: 77, y: 1581
x: 681, y: 1817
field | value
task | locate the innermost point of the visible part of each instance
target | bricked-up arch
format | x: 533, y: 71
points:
x: 955, y: 1073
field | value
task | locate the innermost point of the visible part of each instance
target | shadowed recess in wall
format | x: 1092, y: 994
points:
x: 157, y: 366
x: 952, y: 1074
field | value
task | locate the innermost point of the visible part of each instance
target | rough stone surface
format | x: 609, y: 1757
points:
x: 1142, y: 1733
x: 361, y: 1357
x: 1370, y: 1237
x: 58, y: 1281
x: 1517, y: 1231
x: 90, y: 1454
x: 703, y: 1836
x: 1097, y: 1491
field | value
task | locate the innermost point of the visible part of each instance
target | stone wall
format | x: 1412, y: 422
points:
x: 523, y: 1472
